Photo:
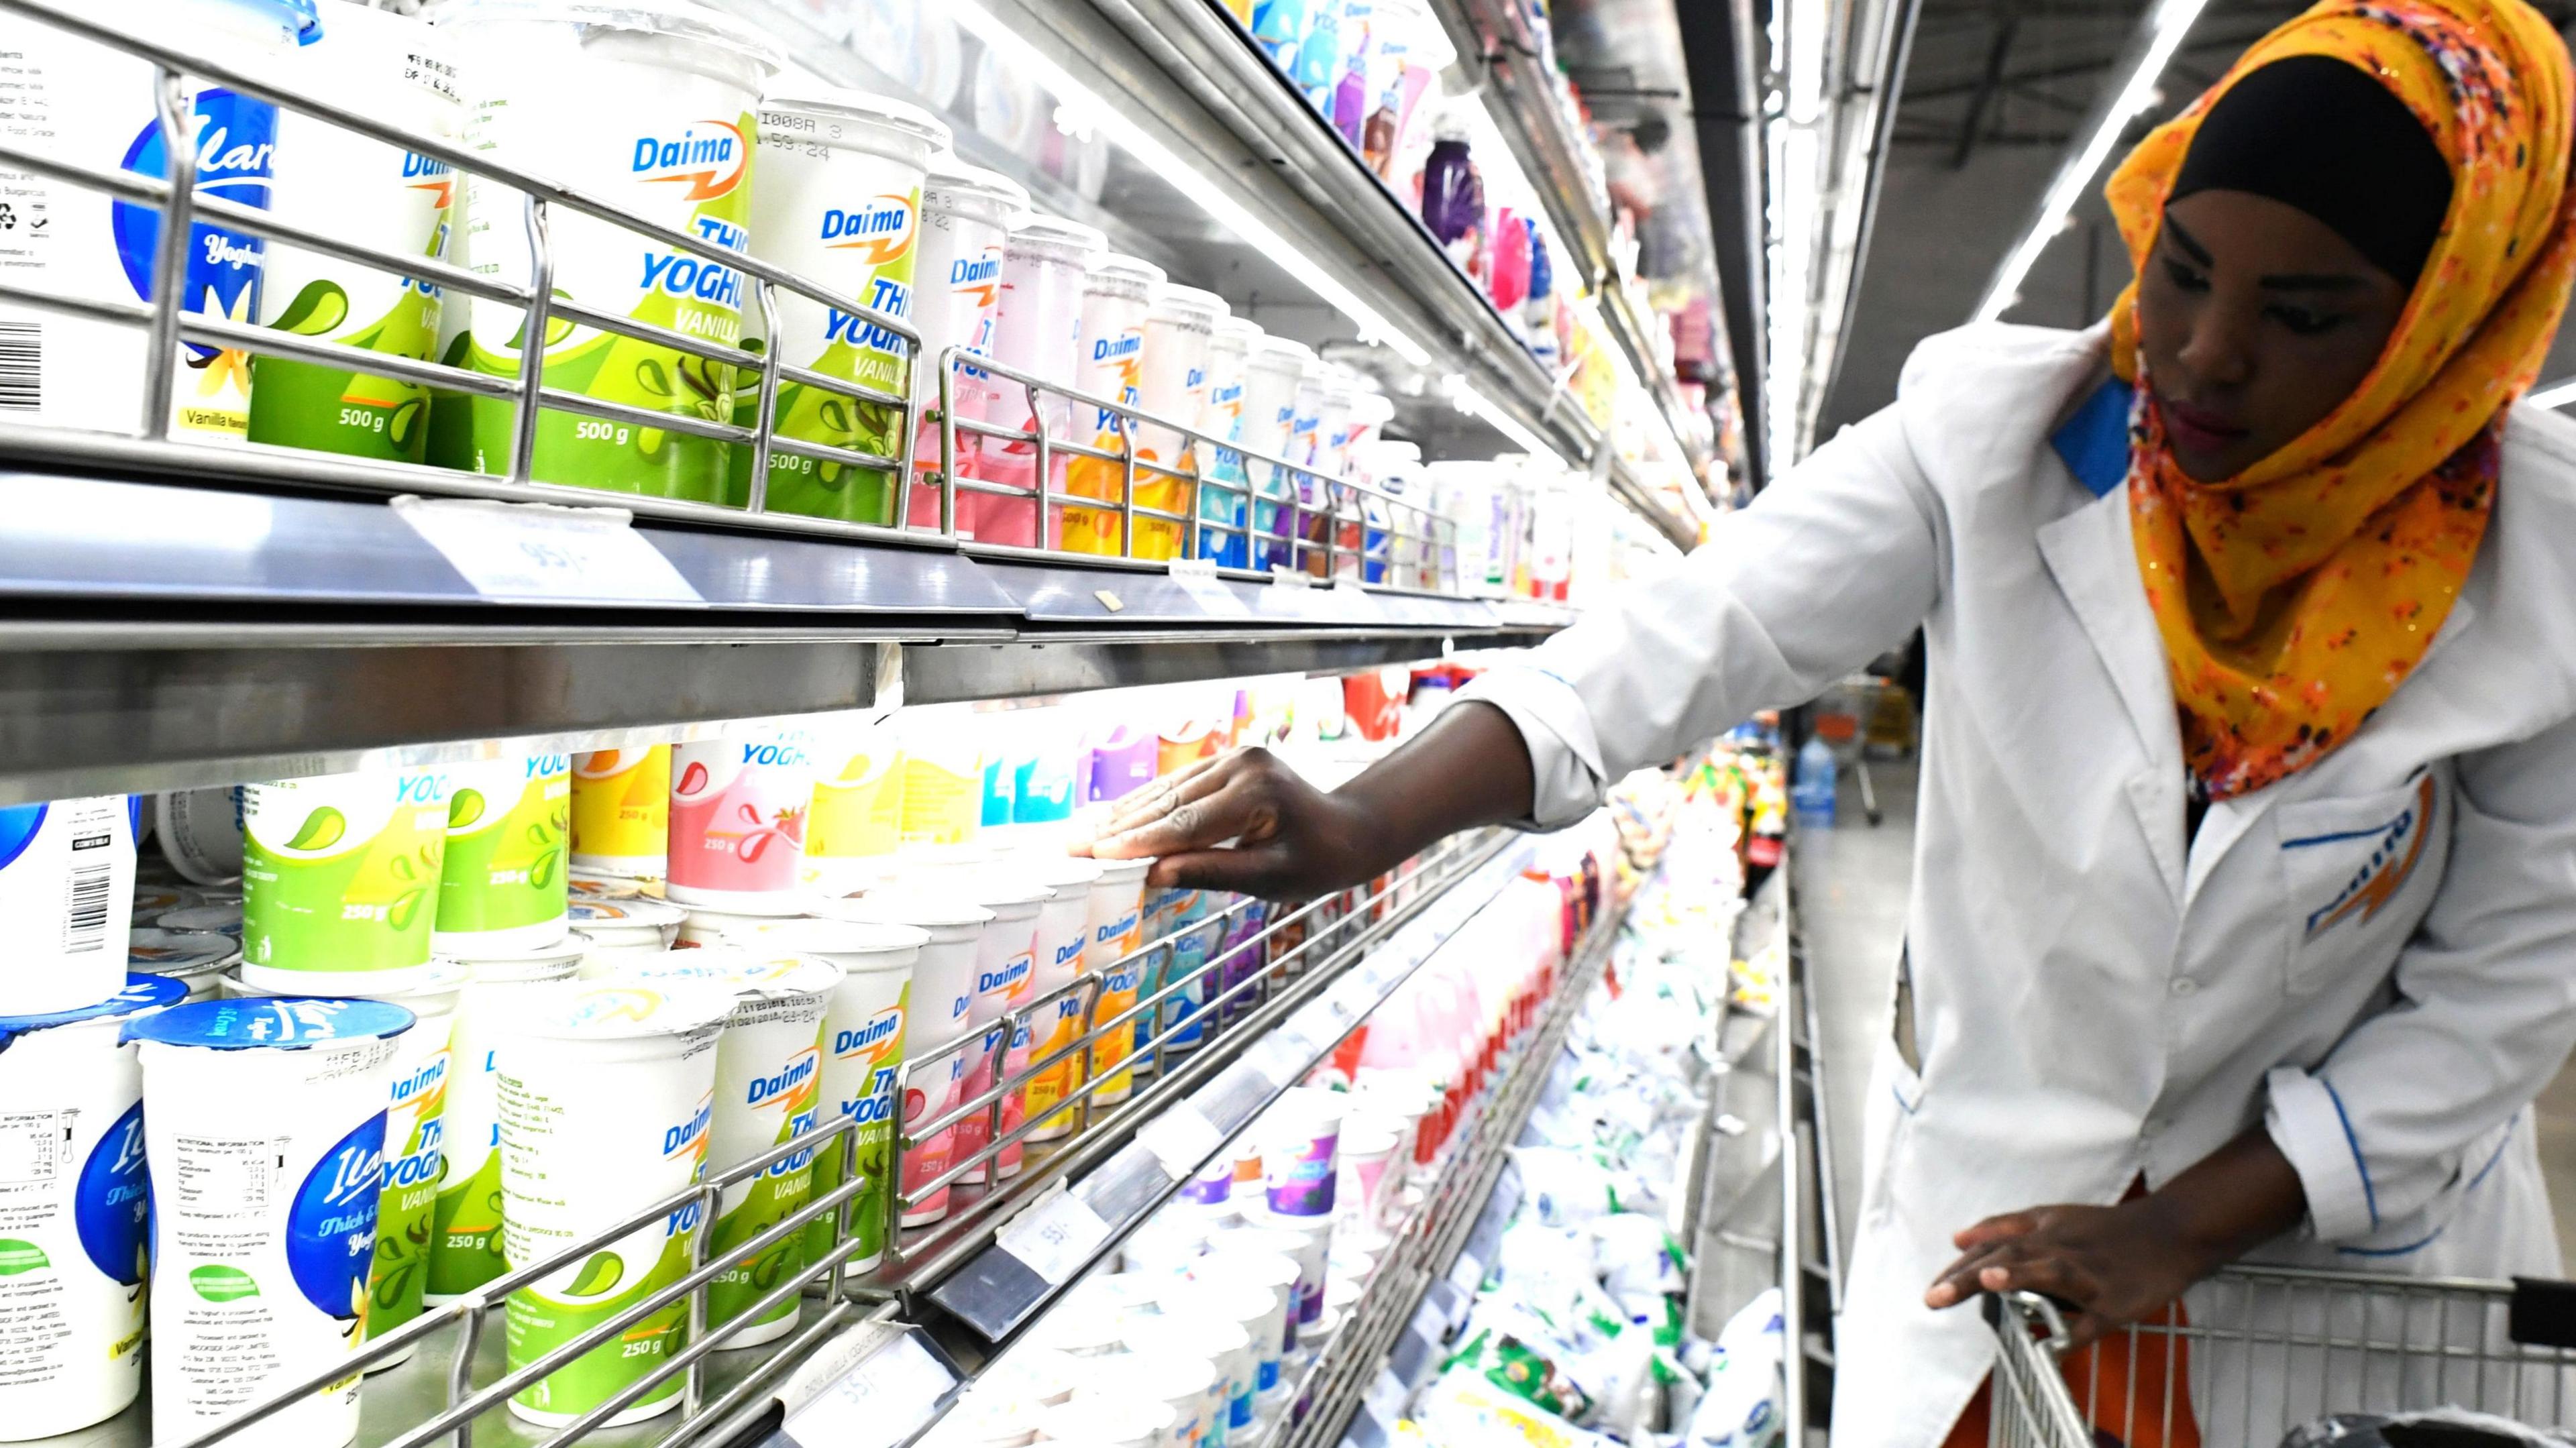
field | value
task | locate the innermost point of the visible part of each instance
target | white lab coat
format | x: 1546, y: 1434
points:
x: 2095, y: 1002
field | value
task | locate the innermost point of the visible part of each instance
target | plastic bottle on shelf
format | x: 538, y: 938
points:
x: 1508, y: 279
x: 1117, y: 297
x: 1036, y: 329
x: 1180, y: 333
x: 1225, y: 485
x: 1453, y: 196
x: 1274, y: 374
x: 1538, y: 314
x: 1812, y: 796
x: 965, y: 216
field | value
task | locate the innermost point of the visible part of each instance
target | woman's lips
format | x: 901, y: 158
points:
x: 2197, y: 429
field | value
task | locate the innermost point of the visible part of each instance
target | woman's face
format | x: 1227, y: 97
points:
x: 2254, y: 319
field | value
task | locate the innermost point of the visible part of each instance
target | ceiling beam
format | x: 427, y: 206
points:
x: 1721, y: 44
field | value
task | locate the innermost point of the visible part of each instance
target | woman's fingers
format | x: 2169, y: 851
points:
x: 1958, y: 1281
x: 1996, y: 1229
x: 1194, y: 780
x: 1197, y: 824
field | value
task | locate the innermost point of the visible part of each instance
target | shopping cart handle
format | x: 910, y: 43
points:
x: 2542, y: 1313
x: 2048, y: 1308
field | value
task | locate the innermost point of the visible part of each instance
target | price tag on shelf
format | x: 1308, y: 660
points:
x: 1180, y: 1139
x: 1055, y: 1236
x: 1279, y: 1061
x: 1290, y: 578
x: 883, y: 1400
x: 1197, y: 578
x: 541, y: 551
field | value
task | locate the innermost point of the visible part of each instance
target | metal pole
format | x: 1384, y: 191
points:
x: 948, y: 443
x: 170, y: 256
x: 533, y: 325
x: 764, y: 421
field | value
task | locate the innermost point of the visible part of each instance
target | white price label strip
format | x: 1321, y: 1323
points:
x: 1279, y: 1061
x: 540, y: 551
x: 1180, y: 1139
x: 876, y: 1404
x: 1210, y: 592
x: 1055, y: 1237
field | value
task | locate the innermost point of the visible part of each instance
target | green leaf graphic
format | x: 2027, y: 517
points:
x: 322, y: 829
x: 222, y: 1284
x: 17, y: 1257
x: 652, y: 377
x: 398, y: 915
x: 316, y: 311
x: 463, y: 808
x: 542, y: 873
x: 597, y: 1275
x: 406, y: 417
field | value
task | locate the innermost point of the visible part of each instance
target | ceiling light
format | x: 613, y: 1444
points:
x: 2554, y: 394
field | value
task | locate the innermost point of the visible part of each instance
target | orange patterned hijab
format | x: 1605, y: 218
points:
x: 2295, y: 597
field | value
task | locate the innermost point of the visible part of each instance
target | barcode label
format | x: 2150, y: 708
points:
x: 85, y: 911
x: 22, y: 366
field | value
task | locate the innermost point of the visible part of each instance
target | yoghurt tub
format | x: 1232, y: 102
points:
x: 415, y: 1115
x: 1063, y: 929
x: 340, y: 879
x: 702, y: 926
x: 153, y: 899
x: 200, y: 833
x: 465, y: 1226
x: 1274, y: 369
x: 1172, y: 382
x: 965, y: 215
x: 622, y: 931
x: 1224, y: 488
x: 857, y: 817
x: 66, y: 902
x: 607, y: 1091
x: 73, y: 1206
x: 1037, y: 329
x: 1109, y: 1422
x: 738, y: 818
x: 343, y: 184
x: 838, y: 201
x: 266, y: 1145
x: 90, y: 105
x: 650, y: 108
x: 1257, y: 1309
x: 941, y: 993
x: 584, y: 885
x: 1308, y: 1249
x: 1116, y: 923
x: 621, y: 811
x: 1005, y: 965
x: 1187, y: 1384
x: 1183, y: 1332
x: 509, y: 825
x: 1370, y: 1166
x: 1117, y: 296
x: 769, y: 1076
x: 1301, y: 1151
x: 197, y: 960
x: 1259, y: 1262
x: 863, y: 1030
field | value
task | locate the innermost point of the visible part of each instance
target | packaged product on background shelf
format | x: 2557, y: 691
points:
x: 195, y: 959
x: 738, y: 806
x: 1180, y: 332
x: 573, y: 92
x: 1274, y: 372
x: 340, y: 879
x: 66, y: 901
x: 342, y: 184
x: 1038, y: 324
x: 267, y: 1134
x: 621, y: 811
x: 1004, y: 972
x: 837, y: 200
x: 965, y: 215
x: 1225, y: 483
x: 70, y: 1085
x: 1117, y: 297
x: 199, y: 832
x: 502, y: 884
x: 856, y: 821
x: 1453, y: 197
x: 941, y: 993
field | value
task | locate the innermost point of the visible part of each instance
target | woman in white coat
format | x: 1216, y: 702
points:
x: 2244, y: 919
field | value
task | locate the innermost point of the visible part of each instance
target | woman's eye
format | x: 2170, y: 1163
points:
x: 2305, y: 323
x: 2187, y: 278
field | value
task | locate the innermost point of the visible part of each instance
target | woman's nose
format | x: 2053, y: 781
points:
x: 2216, y: 353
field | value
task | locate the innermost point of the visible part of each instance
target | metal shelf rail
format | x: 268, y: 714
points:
x: 1393, y: 1317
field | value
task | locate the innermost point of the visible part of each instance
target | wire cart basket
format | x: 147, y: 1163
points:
x: 2259, y: 1351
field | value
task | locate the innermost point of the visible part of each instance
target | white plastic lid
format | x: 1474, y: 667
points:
x: 752, y: 975
x: 178, y: 953
x: 1056, y: 872
x: 897, y: 905
x: 637, y: 912
x: 1055, y: 231
x: 1283, y: 351
x: 289, y: 1023
x: 810, y: 97
x: 1124, y: 872
x: 615, y: 1010
x: 1370, y: 407
x: 948, y: 181
x: 1115, y: 271
x: 442, y: 977
x: 686, y: 22
x: 1190, y: 302
x: 143, y: 992
x: 1242, y: 330
x: 880, y: 947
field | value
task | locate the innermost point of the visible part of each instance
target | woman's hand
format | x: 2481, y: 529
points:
x: 1290, y: 839
x: 2118, y: 1265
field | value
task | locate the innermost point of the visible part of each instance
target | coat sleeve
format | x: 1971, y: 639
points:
x: 2485, y: 1009
x: 1826, y: 570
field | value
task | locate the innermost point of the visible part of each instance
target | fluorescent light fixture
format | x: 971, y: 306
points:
x: 2553, y: 394
x: 1164, y: 162
x: 2171, y: 22
x: 1464, y: 396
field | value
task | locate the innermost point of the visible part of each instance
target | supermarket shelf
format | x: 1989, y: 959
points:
x: 1501, y: 35
x: 1427, y: 1275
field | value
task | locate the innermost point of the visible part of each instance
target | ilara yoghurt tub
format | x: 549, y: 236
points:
x: 838, y: 201
x: 607, y: 1090
x: 415, y: 1113
x: 938, y: 999
x: 769, y: 1077
x: 73, y: 1202
x: 465, y: 1249
x: 340, y: 879
x: 621, y: 811
x: 509, y: 825
x: 863, y: 1030
x: 266, y: 1144
x: 66, y: 902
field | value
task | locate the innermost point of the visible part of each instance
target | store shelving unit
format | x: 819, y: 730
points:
x: 1499, y: 38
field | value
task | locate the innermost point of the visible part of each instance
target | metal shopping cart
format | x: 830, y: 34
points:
x: 2266, y: 1349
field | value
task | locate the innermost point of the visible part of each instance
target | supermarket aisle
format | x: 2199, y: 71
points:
x: 1853, y: 881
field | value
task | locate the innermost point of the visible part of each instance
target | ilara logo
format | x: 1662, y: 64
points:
x: 2391, y: 864
x: 878, y: 229
x: 711, y: 156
